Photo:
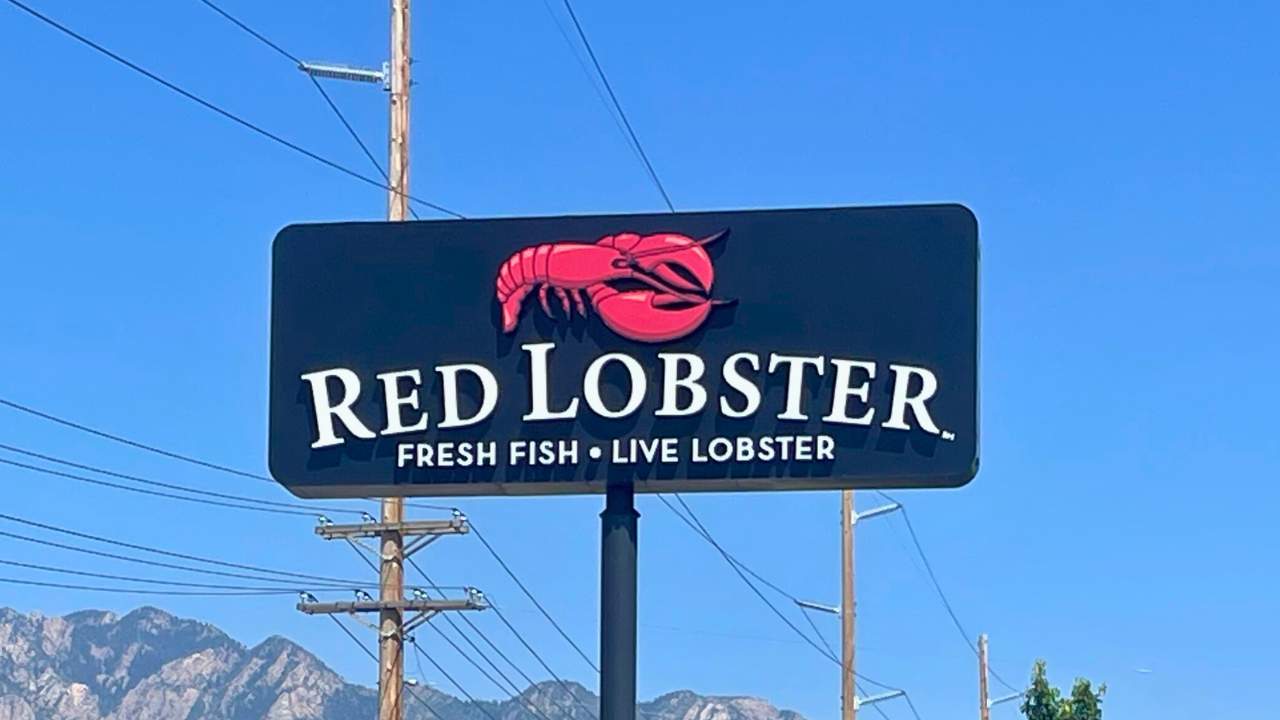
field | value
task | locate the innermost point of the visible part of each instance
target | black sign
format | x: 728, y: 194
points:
x: 756, y: 350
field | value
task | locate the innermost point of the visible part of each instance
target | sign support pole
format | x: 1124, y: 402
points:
x: 848, y: 609
x: 618, y: 548
x: 391, y: 575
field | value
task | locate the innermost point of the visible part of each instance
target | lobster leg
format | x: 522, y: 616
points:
x: 577, y: 299
x: 564, y: 300
x: 542, y: 298
x: 584, y: 301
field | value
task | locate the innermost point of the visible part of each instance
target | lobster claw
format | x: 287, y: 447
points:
x: 668, y: 261
x: 648, y: 315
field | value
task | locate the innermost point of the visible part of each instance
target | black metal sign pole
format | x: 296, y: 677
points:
x: 618, y: 603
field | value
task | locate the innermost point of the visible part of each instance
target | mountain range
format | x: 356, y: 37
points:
x: 151, y: 665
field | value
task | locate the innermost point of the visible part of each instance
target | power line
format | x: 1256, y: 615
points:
x: 347, y: 631
x: 653, y: 175
x: 142, y: 591
x: 219, y: 110
x: 559, y: 680
x: 511, y: 684
x: 175, y: 455
x: 353, y: 637
x: 147, y: 581
x: 178, y: 555
x: 132, y: 443
x: 591, y: 78
x: 533, y: 599
x: 417, y: 649
x: 310, y: 509
x: 937, y: 586
x: 733, y: 564
x: 155, y: 563
x: 154, y: 493
x: 741, y: 571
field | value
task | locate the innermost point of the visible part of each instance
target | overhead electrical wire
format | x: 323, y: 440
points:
x: 160, y: 564
x: 148, y: 581
x: 180, y: 456
x: 589, y: 74
x: 439, y: 668
x: 132, y: 443
x: 737, y: 567
x: 178, y: 555
x: 534, y: 600
x: 484, y: 636
x: 154, y: 493
x: 559, y: 680
x: 141, y: 591
x: 360, y: 644
x: 937, y: 586
x: 64, y: 29
x: 312, y: 510
x: 644, y: 156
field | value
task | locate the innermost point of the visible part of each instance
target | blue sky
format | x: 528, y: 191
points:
x: 1122, y: 161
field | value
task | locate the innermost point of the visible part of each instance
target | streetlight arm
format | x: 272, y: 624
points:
x: 873, y: 512
x: 859, y: 702
x: 1005, y: 699
x: 831, y: 609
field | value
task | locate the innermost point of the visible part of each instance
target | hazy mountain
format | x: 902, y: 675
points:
x: 150, y: 665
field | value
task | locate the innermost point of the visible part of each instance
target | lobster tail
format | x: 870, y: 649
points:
x: 517, y: 277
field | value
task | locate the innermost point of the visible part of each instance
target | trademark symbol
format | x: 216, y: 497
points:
x: 948, y: 435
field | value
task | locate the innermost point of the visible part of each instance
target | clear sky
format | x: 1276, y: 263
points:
x: 1122, y: 160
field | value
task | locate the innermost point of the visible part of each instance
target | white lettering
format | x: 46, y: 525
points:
x: 901, y: 383
x: 538, y: 391
x: 326, y: 411
x: 672, y: 381
x: 591, y: 385
x: 488, y: 394
x: 843, y: 391
x: 795, y: 381
x: 395, y: 401
x: 735, y: 380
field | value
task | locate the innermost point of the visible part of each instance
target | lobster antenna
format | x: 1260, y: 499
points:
x: 696, y: 243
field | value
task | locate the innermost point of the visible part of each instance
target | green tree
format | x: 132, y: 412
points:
x: 1043, y: 701
x: 1085, y: 703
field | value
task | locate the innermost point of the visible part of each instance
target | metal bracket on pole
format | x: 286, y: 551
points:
x: 346, y: 72
x: 874, y: 512
x: 831, y: 609
x: 859, y: 702
x: 1005, y: 699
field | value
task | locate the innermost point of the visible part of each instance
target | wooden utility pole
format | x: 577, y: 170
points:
x: 848, y: 610
x: 984, y: 701
x: 391, y: 577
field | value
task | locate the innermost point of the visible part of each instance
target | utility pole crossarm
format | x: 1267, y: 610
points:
x: 455, y: 526
x: 415, y: 605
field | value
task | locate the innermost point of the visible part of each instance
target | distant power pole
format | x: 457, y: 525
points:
x: 848, y: 610
x: 984, y: 701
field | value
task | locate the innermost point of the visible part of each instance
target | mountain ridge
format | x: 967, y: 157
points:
x: 151, y: 665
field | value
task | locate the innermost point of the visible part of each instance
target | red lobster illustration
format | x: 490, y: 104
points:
x: 650, y: 288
